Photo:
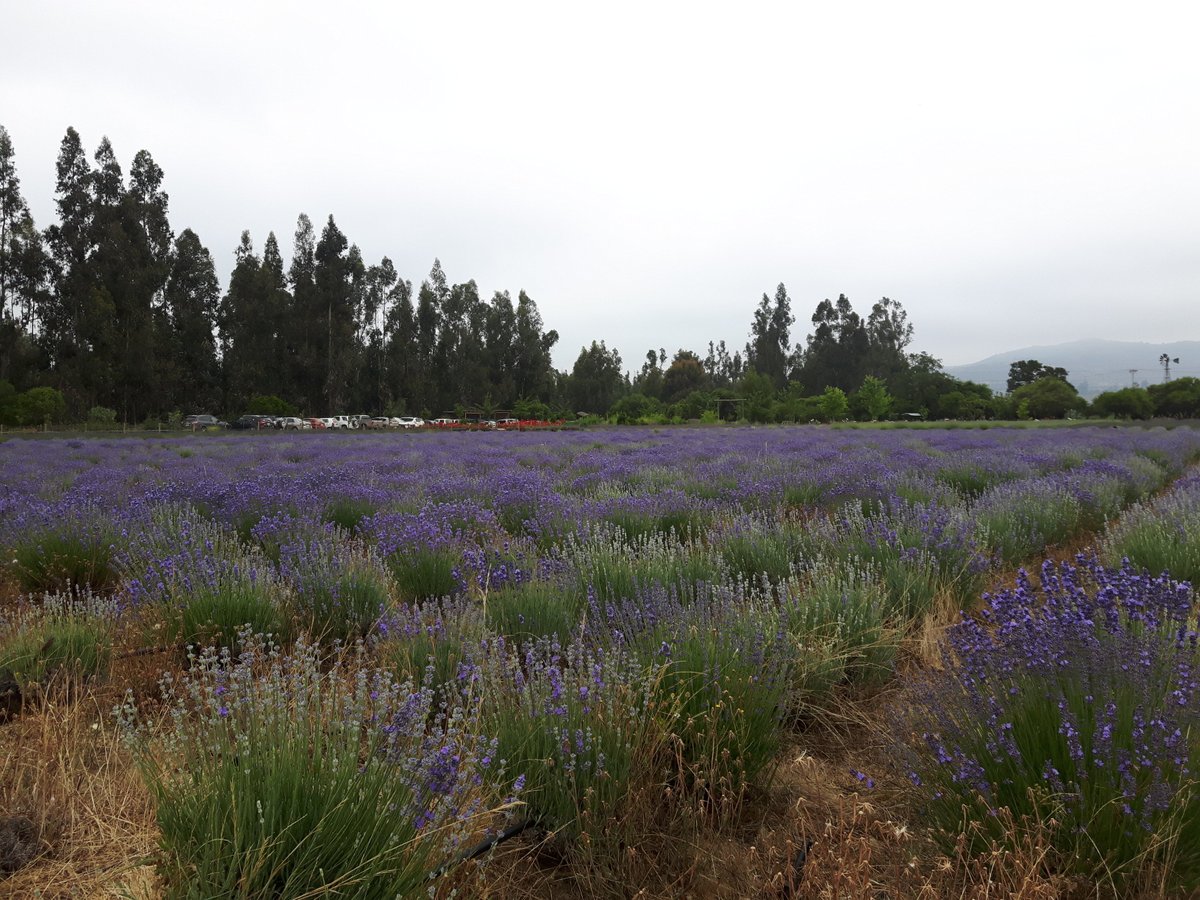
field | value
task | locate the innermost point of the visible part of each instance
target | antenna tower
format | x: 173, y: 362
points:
x: 1132, y: 381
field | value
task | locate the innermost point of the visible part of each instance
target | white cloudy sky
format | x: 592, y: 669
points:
x: 1013, y: 174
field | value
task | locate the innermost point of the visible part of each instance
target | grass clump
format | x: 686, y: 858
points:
x: 580, y: 725
x: 541, y: 608
x: 339, y: 589
x: 206, y: 585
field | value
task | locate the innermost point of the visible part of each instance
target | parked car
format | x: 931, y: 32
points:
x: 316, y: 424
x: 255, y: 422
x: 407, y: 422
x: 377, y: 422
x: 203, y: 421
x: 293, y: 423
x: 444, y: 421
x: 359, y: 421
x: 340, y: 422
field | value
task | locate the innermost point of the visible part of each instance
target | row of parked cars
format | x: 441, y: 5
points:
x: 329, y: 423
x: 311, y: 423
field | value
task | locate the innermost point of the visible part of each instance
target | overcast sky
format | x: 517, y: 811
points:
x: 1013, y: 174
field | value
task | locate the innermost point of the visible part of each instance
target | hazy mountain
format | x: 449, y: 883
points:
x: 1094, y: 366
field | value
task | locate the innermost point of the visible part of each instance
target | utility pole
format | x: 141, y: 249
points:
x: 1132, y: 373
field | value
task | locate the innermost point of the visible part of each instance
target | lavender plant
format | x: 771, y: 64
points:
x: 59, y: 636
x: 726, y: 670
x: 62, y: 547
x: 432, y: 640
x: 1162, y: 535
x: 281, y: 776
x: 203, y: 581
x: 581, y: 725
x: 339, y: 590
x: 1074, y: 703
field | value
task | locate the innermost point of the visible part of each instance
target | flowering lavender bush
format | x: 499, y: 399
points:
x: 580, y: 724
x: 338, y: 589
x: 1074, y: 703
x: 431, y: 641
x: 421, y: 552
x: 63, y: 546
x: 1162, y: 535
x: 204, y: 582
x: 726, y: 666
x: 844, y: 628
x: 283, y: 777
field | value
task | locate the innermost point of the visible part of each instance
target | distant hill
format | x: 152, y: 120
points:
x: 1094, y: 366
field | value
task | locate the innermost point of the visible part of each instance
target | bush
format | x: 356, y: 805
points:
x: 102, y: 416
x: 580, y: 725
x: 284, y: 777
x: 40, y: 406
x: 1072, y: 704
x: 338, y: 589
x: 270, y: 405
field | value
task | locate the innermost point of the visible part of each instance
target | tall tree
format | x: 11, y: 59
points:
x: 500, y: 345
x: 192, y: 296
x: 400, y: 330
x: 888, y: 335
x: 769, y: 347
x: 1027, y: 371
x: 836, y: 355
x: 24, y: 273
x: 242, y: 326
x: 596, y: 379
x: 302, y: 325
x: 534, y: 374
x: 337, y: 278
x: 70, y: 241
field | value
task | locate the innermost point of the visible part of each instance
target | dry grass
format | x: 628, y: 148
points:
x: 62, y: 765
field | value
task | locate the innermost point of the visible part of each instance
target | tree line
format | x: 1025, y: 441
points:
x: 112, y: 309
x: 109, y: 313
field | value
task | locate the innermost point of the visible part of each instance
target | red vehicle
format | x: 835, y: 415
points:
x: 316, y: 424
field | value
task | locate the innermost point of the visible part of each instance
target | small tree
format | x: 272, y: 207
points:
x: 1048, y: 398
x: 41, y: 406
x: 834, y: 405
x: 875, y: 399
x: 1127, y: 403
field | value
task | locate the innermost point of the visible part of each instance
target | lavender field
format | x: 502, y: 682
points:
x: 702, y: 662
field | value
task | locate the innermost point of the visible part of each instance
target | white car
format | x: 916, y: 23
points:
x: 407, y: 422
x: 339, y: 422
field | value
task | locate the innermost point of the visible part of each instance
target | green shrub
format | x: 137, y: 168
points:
x: 422, y: 573
x: 582, y: 727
